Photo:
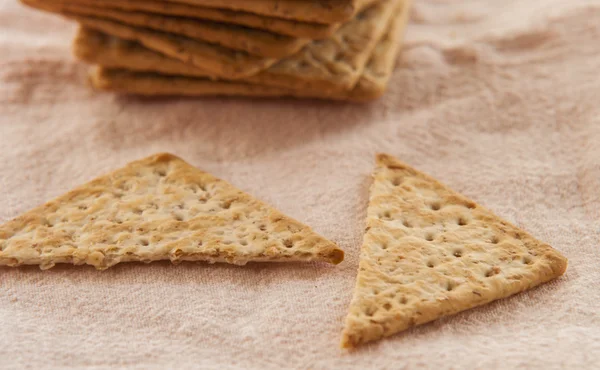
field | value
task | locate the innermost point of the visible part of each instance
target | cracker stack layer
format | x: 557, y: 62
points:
x: 332, y: 49
x: 429, y: 252
x: 158, y: 208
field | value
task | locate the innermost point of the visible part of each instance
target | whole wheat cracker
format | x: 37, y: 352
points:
x: 313, y: 31
x: 255, y: 42
x: 429, y: 252
x: 218, y: 60
x: 158, y: 208
x: 332, y: 64
x: 99, y: 49
x: 319, y: 11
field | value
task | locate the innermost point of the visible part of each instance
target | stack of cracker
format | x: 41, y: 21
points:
x: 330, y: 49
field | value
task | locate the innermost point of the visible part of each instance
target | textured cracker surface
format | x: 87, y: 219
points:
x: 429, y: 252
x: 277, y: 25
x: 218, y: 60
x: 320, y: 11
x: 255, y: 42
x: 101, y: 49
x: 314, y: 70
x: 158, y: 208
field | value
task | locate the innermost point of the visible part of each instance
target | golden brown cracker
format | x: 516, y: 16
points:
x: 171, y: 77
x: 429, y: 252
x: 158, y: 208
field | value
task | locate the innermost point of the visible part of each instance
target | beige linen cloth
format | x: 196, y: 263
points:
x: 498, y: 99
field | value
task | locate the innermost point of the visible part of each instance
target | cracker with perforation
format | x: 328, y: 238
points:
x: 319, y: 11
x: 429, y: 252
x: 217, y: 60
x: 126, y: 67
x: 288, y: 27
x: 158, y: 208
x: 255, y: 42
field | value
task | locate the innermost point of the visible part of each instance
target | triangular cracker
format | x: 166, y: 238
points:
x: 429, y: 252
x: 158, y: 208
